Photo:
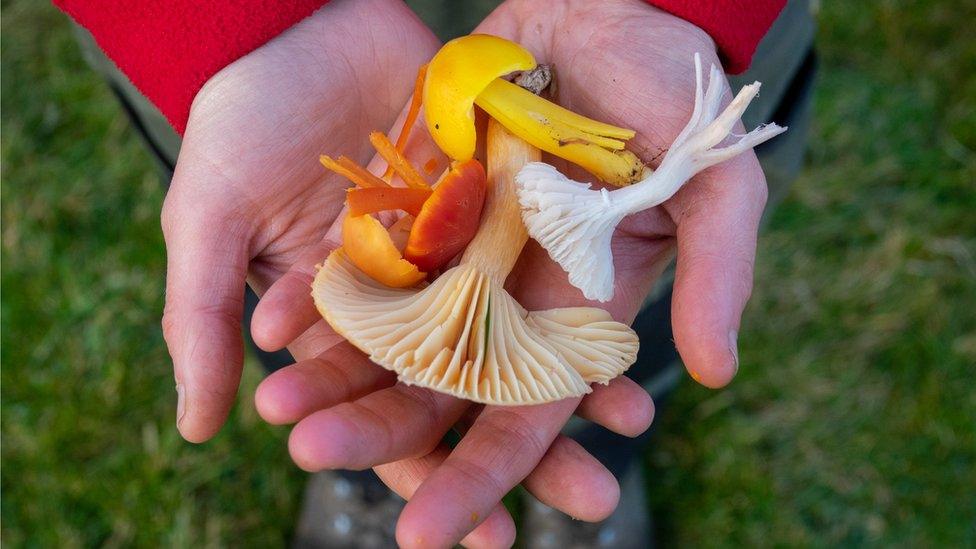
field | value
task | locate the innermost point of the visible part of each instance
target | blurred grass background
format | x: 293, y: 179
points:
x: 851, y: 422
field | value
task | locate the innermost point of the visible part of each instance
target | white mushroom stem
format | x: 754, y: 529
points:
x: 500, y: 238
x: 575, y: 223
x: 464, y: 334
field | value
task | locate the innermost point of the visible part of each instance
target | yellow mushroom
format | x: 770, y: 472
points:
x: 464, y: 334
x: 455, y: 77
x: 467, y: 71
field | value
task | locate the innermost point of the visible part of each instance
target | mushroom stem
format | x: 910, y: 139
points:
x: 496, y: 247
x: 596, y: 146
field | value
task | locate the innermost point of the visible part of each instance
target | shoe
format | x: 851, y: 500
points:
x: 629, y: 527
x: 347, y: 510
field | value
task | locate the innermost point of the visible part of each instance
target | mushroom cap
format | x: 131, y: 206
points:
x: 455, y: 76
x: 465, y: 336
x: 573, y: 223
x: 371, y: 246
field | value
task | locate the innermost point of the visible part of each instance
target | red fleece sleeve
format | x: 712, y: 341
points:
x: 737, y: 26
x: 170, y: 48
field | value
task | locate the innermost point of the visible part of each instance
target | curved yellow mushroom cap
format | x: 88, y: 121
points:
x: 456, y: 75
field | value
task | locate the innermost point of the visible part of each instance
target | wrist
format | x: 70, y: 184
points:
x: 317, y: 69
x: 685, y: 31
x: 569, y: 26
x: 169, y: 49
x: 736, y: 27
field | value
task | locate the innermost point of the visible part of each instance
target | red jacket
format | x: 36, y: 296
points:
x: 170, y: 48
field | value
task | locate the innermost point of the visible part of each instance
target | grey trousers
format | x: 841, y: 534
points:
x: 784, y: 63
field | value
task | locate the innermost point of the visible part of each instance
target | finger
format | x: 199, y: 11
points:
x: 286, y: 310
x: 571, y: 480
x: 502, y: 447
x: 206, y: 266
x: 388, y: 425
x: 621, y: 406
x: 717, y: 225
x: 568, y: 478
x: 404, y: 476
x: 338, y: 375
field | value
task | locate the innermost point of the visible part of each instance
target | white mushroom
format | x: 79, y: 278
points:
x: 464, y: 334
x: 575, y: 223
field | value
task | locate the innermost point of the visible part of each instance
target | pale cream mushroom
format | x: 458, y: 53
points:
x: 464, y: 334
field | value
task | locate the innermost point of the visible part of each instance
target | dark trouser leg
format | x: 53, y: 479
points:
x: 657, y: 362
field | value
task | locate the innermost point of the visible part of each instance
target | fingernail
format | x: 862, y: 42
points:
x: 180, y: 403
x: 734, y: 348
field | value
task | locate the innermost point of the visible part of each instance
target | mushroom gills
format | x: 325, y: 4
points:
x: 464, y: 335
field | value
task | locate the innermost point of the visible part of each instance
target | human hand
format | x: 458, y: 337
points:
x: 629, y: 65
x: 248, y: 199
x: 248, y: 195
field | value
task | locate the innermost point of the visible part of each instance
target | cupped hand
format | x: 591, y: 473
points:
x: 249, y: 200
x: 630, y: 64
x: 622, y: 62
x: 248, y: 195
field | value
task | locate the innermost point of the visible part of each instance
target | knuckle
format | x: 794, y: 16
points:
x: 478, y: 476
x: 225, y: 310
x: 371, y: 425
x: 170, y: 326
x: 747, y: 169
x: 760, y: 190
x: 223, y: 314
x: 331, y: 377
x: 169, y: 214
x: 203, y: 197
x: 423, y: 400
x: 513, y: 428
x: 197, y: 212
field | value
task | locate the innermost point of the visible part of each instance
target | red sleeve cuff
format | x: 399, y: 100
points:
x: 170, y: 48
x: 737, y: 26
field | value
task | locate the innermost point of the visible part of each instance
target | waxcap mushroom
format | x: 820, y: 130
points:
x: 466, y: 336
x: 575, y: 223
x: 460, y: 70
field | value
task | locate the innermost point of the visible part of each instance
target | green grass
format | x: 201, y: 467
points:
x: 852, y: 419
x: 851, y: 422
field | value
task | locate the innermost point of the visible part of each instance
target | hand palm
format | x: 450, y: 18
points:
x: 628, y: 64
x: 264, y: 147
x: 620, y: 62
x: 248, y: 195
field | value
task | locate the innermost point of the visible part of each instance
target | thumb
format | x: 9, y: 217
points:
x: 718, y: 222
x: 206, y: 268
